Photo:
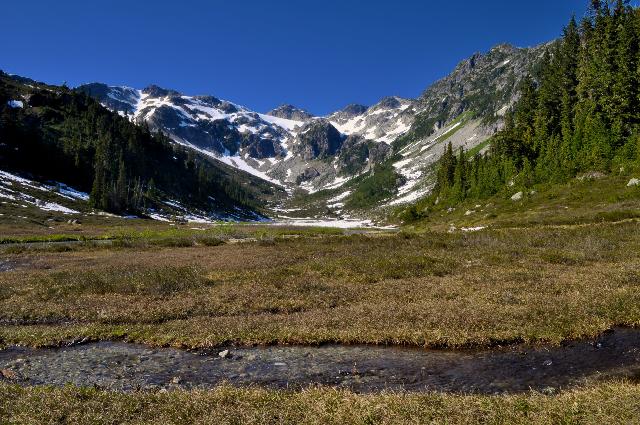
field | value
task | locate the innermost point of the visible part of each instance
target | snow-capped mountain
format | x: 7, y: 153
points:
x: 293, y: 148
x: 383, y: 122
x: 287, y: 145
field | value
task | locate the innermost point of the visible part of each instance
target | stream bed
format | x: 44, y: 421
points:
x: 123, y: 366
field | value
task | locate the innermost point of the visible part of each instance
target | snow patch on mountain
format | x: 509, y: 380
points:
x: 241, y: 164
x: 13, y: 187
x: 15, y: 104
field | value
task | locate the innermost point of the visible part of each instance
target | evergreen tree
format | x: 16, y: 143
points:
x: 580, y: 113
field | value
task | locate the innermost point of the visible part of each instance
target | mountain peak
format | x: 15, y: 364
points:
x: 157, y: 91
x: 504, y: 48
x: 354, y: 109
x: 390, y: 102
x: 290, y: 112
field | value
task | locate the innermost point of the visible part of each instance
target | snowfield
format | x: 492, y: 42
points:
x: 15, y: 104
x: 314, y: 222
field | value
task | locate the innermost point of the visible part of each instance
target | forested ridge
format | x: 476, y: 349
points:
x: 64, y: 135
x: 578, y: 113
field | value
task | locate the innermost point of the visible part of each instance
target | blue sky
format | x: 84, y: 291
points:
x: 318, y: 55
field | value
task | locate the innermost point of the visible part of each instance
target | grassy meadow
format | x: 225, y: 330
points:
x: 535, y: 274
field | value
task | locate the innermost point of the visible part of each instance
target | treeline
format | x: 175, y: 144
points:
x: 579, y: 113
x: 67, y: 136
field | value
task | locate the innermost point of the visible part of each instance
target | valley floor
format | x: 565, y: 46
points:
x: 201, y: 286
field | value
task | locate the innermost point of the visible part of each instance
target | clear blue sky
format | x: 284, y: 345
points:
x: 319, y: 55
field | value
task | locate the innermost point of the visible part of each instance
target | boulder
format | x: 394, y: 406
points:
x: 633, y: 182
x: 517, y: 197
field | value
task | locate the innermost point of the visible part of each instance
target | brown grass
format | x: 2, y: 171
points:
x: 616, y: 403
x: 435, y: 289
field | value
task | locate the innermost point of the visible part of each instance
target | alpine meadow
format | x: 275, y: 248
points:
x: 470, y: 255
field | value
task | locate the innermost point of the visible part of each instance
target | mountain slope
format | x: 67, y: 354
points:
x: 54, y: 134
x: 307, y: 154
x: 465, y: 109
x: 575, y: 124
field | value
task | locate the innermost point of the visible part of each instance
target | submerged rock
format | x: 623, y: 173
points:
x: 8, y: 374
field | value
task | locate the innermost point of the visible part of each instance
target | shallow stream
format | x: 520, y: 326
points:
x: 127, y: 367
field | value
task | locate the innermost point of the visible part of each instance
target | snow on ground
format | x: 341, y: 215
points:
x: 289, y: 125
x: 286, y: 210
x: 158, y: 217
x: 396, y: 132
x: 233, y: 161
x: 7, y: 193
x: 192, y: 218
x: 314, y: 222
x: 413, y: 175
x: 10, y: 180
x: 375, y: 129
x: 473, y: 229
x: 200, y: 216
x: 8, y: 177
x: 339, y: 181
x: 238, y: 162
x: 339, y: 197
x: 354, y: 125
x: 50, y: 206
x: 410, y: 197
x: 175, y: 204
x: 421, y: 153
x: 72, y: 193
x: 15, y: 104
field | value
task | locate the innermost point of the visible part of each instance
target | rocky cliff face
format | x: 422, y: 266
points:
x: 359, y: 154
x: 317, y: 139
x: 486, y: 84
